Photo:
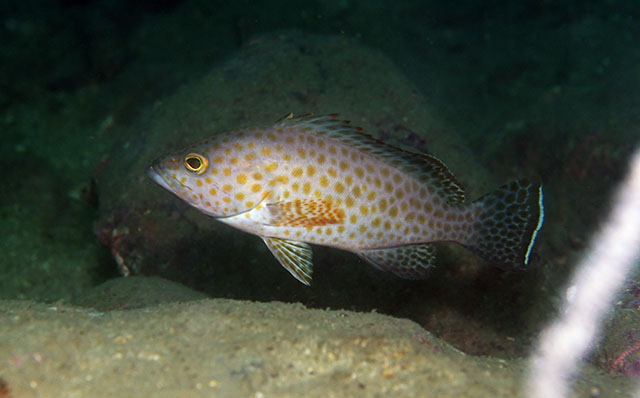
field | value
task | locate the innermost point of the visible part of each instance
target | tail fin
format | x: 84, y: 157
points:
x: 507, y: 222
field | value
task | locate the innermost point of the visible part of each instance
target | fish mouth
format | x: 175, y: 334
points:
x: 157, y: 177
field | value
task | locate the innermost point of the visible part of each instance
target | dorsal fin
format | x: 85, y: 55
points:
x: 426, y: 168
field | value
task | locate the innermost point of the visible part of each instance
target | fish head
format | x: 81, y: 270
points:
x: 209, y: 179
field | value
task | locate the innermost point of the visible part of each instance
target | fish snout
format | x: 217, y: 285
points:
x: 156, y: 175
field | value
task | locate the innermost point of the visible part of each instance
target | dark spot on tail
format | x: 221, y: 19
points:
x: 507, y: 223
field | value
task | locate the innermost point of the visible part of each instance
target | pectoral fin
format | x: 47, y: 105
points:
x: 304, y: 213
x: 409, y: 262
x: 294, y: 256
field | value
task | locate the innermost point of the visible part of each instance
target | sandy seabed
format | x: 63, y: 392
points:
x: 231, y: 348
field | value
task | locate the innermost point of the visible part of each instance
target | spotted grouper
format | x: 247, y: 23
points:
x: 318, y: 179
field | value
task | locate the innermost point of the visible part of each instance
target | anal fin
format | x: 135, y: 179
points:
x: 408, y: 262
x: 294, y: 256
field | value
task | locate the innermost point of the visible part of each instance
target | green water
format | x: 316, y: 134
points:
x: 530, y: 88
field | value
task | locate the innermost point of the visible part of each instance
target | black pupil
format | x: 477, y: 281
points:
x: 194, y: 163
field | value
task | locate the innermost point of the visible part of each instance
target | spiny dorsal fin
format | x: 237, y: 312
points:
x: 427, y: 169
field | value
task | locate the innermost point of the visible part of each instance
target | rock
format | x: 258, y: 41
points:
x: 619, y: 349
x: 151, y: 233
x: 135, y: 292
x: 233, y: 348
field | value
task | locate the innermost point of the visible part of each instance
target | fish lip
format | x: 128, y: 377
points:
x: 159, y: 178
x: 156, y: 176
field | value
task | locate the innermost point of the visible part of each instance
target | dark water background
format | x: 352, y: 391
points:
x: 547, y: 87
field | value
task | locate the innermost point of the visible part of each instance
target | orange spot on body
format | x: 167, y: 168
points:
x: 271, y: 167
x: 348, y: 179
x: 307, y: 213
x: 383, y: 204
x: 393, y: 212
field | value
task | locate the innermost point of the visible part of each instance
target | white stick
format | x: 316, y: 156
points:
x: 612, y: 255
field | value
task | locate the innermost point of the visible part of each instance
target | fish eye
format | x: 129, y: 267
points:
x: 196, y: 163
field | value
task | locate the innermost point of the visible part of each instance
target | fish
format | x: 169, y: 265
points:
x: 317, y: 179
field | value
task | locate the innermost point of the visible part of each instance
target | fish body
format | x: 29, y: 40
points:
x: 318, y: 179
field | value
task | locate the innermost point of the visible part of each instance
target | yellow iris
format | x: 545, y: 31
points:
x: 196, y: 163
